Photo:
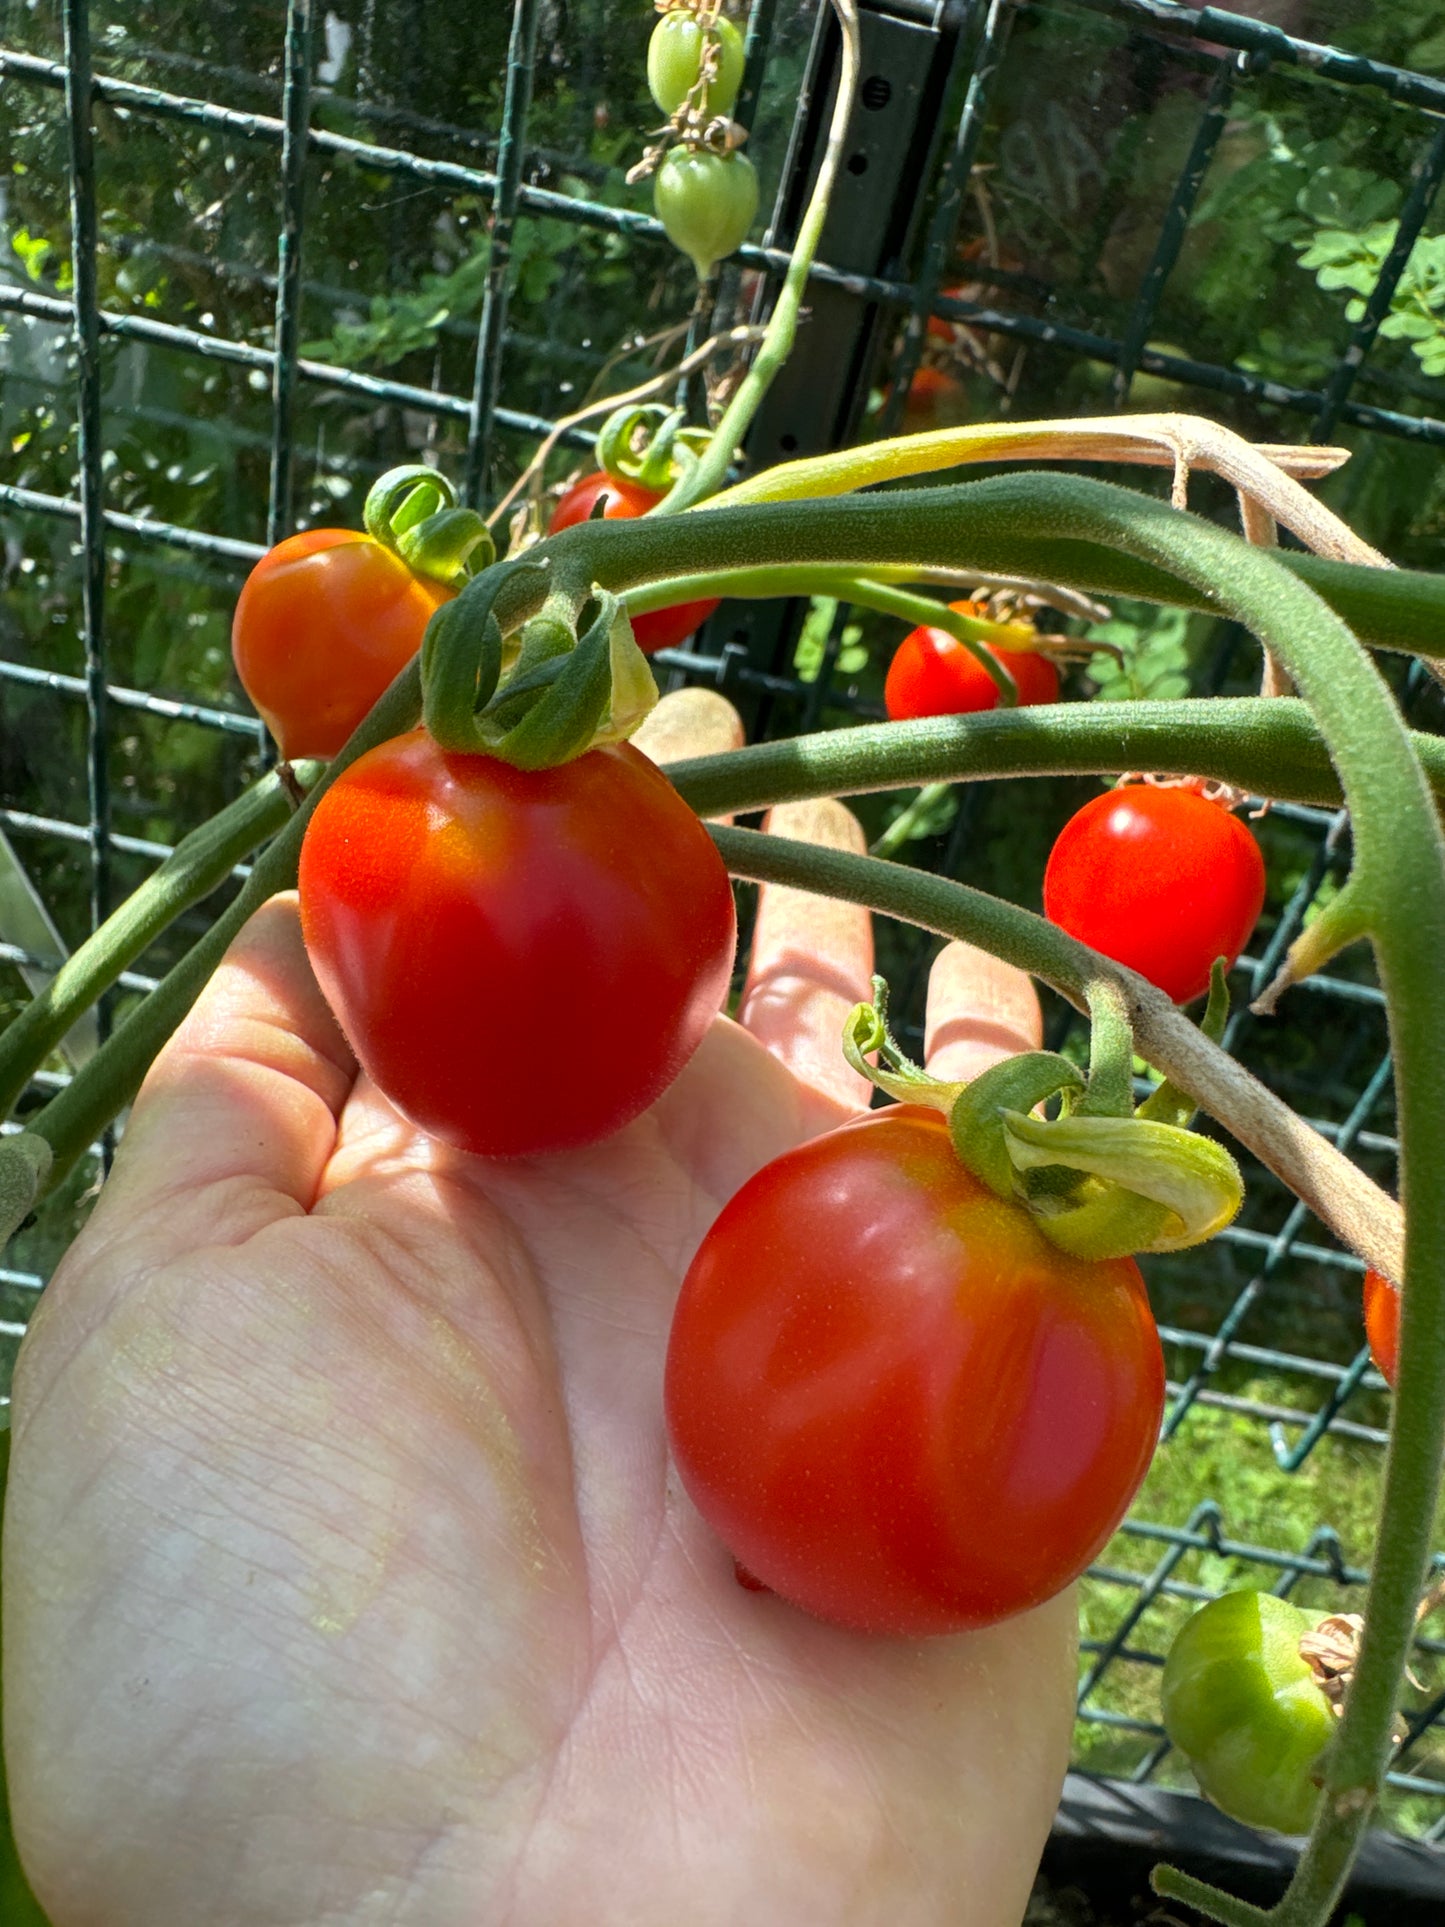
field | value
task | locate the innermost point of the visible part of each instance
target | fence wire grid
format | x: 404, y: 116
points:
x: 253, y: 256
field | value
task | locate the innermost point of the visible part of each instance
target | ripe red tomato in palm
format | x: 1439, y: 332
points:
x: 1163, y: 880
x: 659, y: 628
x: 1382, y: 1323
x: 897, y: 1404
x: 522, y: 959
x: 932, y: 674
x: 324, y: 622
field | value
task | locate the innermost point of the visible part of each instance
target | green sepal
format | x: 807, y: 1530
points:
x: 1343, y: 921
x: 461, y: 658
x: 449, y: 545
x: 1161, y: 1188
x: 597, y: 693
x: 649, y: 445
x: 633, y: 687
x: 24, y: 1166
x: 865, y: 1031
x: 402, y: 498
x: 1168, y: 1104
x: 975, y: 1121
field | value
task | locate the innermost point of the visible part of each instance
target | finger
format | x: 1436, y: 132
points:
x: 812, y: 961
x: 235, y: 1122
x: 980, y: 1009
x: 690, y: 722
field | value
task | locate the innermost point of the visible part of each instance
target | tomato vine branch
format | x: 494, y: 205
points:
x: 1267, y: 746
x: 707, y: 473
x: 1018, y: 525
x: 199, y: 864
x: 1334, y: 1188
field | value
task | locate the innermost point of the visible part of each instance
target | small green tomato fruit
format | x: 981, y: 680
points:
x: 1246, y: 1710
x: 674, y: 63
x: 706, y: 203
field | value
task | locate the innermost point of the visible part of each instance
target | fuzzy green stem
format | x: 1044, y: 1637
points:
x: 1175, y: 1885
x: 1012, y: 525
x: 1110, y: 1090
x: 199, y: 864
x: 708, y: 473
x: 1269, y: 747
x: 71, y: 1121
x: 903, y: 827
x: 802, y: 578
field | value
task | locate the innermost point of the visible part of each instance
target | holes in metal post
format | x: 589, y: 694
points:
x: 876, y: 92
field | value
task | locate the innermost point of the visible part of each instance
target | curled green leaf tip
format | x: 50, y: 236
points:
x: 1162, y: 1188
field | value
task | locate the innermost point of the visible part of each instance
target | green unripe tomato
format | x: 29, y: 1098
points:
x: 706, y: 203
x: 1246, y: 1711
x: 674, y: 61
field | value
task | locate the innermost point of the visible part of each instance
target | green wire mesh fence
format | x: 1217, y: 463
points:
x: 252, y: 256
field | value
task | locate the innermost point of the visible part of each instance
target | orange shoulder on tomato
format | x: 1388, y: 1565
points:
x: 324, y: 623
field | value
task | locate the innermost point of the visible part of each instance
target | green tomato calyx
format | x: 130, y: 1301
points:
x: 1099, y: 1185
x: 564, y: 693
x: 649, y: 445
x: 413, y: 511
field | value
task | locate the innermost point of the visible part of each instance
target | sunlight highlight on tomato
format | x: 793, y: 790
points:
x: 659, y: 628
x: 897, y: 1404
x: 324, y: 623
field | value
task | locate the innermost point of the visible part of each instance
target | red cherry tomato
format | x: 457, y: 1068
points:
x: 934, y: 400
x: 324, y: 622
x: 659, y: 628
x: 1163, y: 880
x: 522, y: 959
x: 932, y: 674
x: 898, y: 1405
x: 1382, y: 1323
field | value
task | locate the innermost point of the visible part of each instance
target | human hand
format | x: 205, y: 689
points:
x: 347, y: 1579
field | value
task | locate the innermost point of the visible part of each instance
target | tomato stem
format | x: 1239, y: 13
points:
x: 1266, y: 746
x: 72, y: 1119
x: 706, y: 476
x: 199, y: 864
x: 1110, y: 1089
x: 1174, y: 1884
x: 1335, y: 1189
x: 1007, y: 525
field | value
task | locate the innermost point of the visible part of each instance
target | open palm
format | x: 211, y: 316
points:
x: 347, y: 1578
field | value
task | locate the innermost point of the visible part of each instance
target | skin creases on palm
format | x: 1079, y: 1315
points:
x: 347, y: 1579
